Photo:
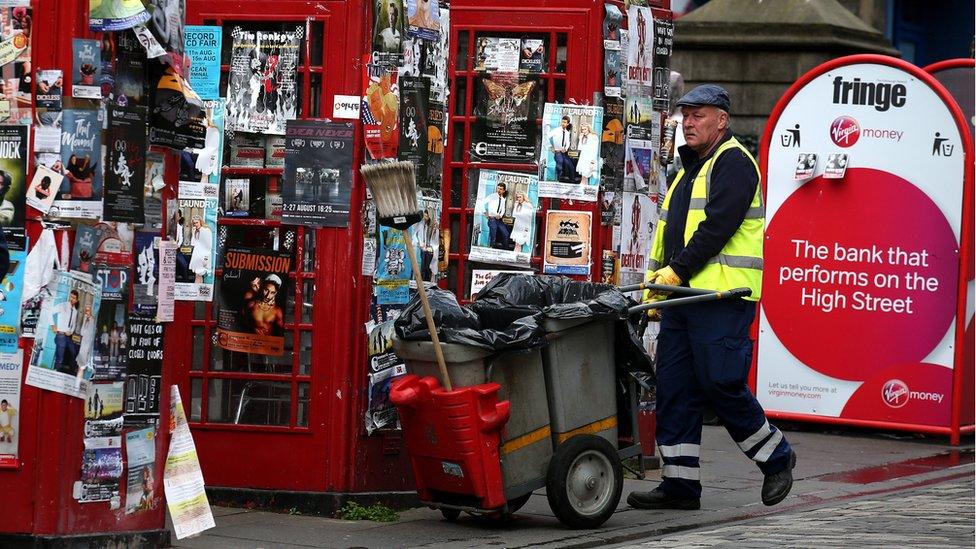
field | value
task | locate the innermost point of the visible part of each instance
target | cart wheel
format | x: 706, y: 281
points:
x: 584, y: 481
x: 451, y: 515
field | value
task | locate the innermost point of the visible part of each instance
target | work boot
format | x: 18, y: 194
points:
x: 659, y: 499
x: 777, y: 485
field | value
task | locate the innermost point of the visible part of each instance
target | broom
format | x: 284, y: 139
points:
x: 395, y: 190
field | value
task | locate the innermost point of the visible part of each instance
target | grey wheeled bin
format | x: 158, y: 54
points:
x: 526, y: 444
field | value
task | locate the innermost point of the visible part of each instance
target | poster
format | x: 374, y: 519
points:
x: 50, y: 87
x: 504, y: 226
x: 639, y: 218
x: 261, y: 91
x: 194, y: 226
x: 11, y: 289
x: 317, y: 181
x: 435, y: 147
x: 15, y: 63
x: 182, y: 479
x: 47, y: 131
x: 414, y: 100
x: 567, y: 246
x: 10, y: 370
x: 176, y: 113
x: 663, y: 48
x: 140, y: 454
x: 87, y: 239
x: 533, y: 56
x: 152, y: 192
x: 481, y: 277
x: 101, y: 469
x: 251, y: 306
x: 115, y: 15
x: 125, y: 175
x: 61, y: 357
x: 165, y: 307
x: 115, y: 246
x: 13, y: 180
x: 143, y: 378
x: 166, y: 26
x: 384, y: 367
x: 109, y: 347
x: 80, y: 195
x: 426, y: 237
x: 612, y: 145
x: 569, y: 159
x: 504, y: 129
x: 611, y: 73
x: 423, y: 19
x: 203, y: 48
x: 640, y: 52
x: 86, y: 69
x: 388, y: 28
x: 495, y: 54
x: 380, y: 110
x: 393, y: 269
x: 237, y: 193
x: 103, y: 410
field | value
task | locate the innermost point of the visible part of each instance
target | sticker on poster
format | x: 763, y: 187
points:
x: 125, y: 174
x: 569, y: 160
x: 317, y: 181
x: 836, y: 165
x: 640, y: 24
x: 15, y: 64
x: 10, y: 370
x: 494, y: 54
x: 143, y: 377
x: 103, y: 410
x: 481, y: 277
x: 115, y: 15
x: 61, y: 357
x: 261, y: 91
x: 101, y: 469
x: 203, y: 45
x: 183, y: 482
x: 393, y: 269
x: 140, y: 453
x: 11, y: 289
x: 423, y: 19
x: 388, y: 28
x: 567, y: 246
x: 504, y: 217
x: 13, y: 178
x: 195, y: 222
x: 414, y: 105
x: 251, y: 309
x: 380, y: 111
x: 636, y: 231
x: 384, y: 367
x: 504, y: 129
x: 806, y: 165
x: 86, y: 69
x: 80, y: 194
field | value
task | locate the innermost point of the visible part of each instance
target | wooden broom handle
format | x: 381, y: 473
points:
x: 445, y: 378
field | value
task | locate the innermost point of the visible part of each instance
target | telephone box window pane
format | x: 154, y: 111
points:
x: 456, y: 187
x: 249, y: 402
x: 461, y: 97
x: 198, y: 344
x: 318, y: 30
x: 305, y: 356
x: 462, y: 51
x: 308, y: 298
x: 304, y: 394
x: 308, y: 243
x: 199, y: 310
x: 196, y: 398
x: 223, y: 360
x: 561, y: 52
x: 315, y: 96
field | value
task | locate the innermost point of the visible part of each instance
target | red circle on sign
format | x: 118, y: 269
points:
x: 845, y: 131
x: 860, y: 273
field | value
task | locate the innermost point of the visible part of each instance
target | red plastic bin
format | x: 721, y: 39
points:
x: 453, y: 439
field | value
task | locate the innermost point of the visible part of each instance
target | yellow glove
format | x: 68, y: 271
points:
x: 665, y: 276
x: 654, y: 315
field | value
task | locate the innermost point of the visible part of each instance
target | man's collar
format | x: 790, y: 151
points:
x: 689, y: 157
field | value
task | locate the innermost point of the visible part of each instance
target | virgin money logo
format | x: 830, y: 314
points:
x: 845, y: 131
x: 895, y: 393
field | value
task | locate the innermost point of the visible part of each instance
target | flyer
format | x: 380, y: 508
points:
x: 144, y: 288
x: 504, y: 129
x: 11, y: 289
x: 80, y: 194
x: 203, y: 48
x: 140, y: 453
x: 153, y: 185
x: 640, y: 52
x: 64, y: 338
x: 533, y: 55
x: 414, y: 100
x: 13, y: 180
x: 426, y: 237
x: 261, y: 91
x: 567, y: 246
x: 130, y: 89
x: 182, y: 479
x: 237, y: 197
x: 10, y: 370
x: 380, y: 110
x: 504, y: 225
x: 165, y: 307
x: 126, y: 172
x: 612, y: 144
x: 388, y: 28
x: 101, y: 469
x: 15, y: 63
x: 50, y: 87
x: 423, y: 19
x: 435, y: 147
x: 663, y: 49
x: 47, y: 131
x: 143, y: 378
x: 108, y: 349
x: 317, y: 180
x: 639, y: 217
x: 103, y: 410
x: 569, y: 159
x: 393, y: 269
x: 195, y: 222
x: 166, y: 26
x: 384, y: 367
x: 495, y: 54
x: 251, y: 306
x: 115, y: 15
x: 176, y: 113
x: 86, y: 69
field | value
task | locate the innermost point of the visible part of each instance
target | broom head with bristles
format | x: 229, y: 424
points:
x: 394, y: 188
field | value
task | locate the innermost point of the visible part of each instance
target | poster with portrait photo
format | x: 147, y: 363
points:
x: 567, y: 246
x: 125, y: 173
x: 109, y: 357
x: 423, y: 19
x: 638, y: 219
x: 426, y: 237
x: 251, y: 305
x: 317, y: 180
x: 50, y: 89
x: 10, y: 371
x: 193, y: 225
x: 836, y: 165
x: 11, y: 289
x: 86, y: 68
x: 388, y: 25
x: 261, y: 91
x: 532, y: 58
x: 640, y: 51
x: 167, y: 27
x: 80, y: 195
x: 43, y: 188
x: 13, y: 178
x: 237, y: 195
x: 569, y: 159
x: 806, y: 165
x: 15, y: 62
x: 504, y: 225
x: 504, y: 129
x: 61, y: 357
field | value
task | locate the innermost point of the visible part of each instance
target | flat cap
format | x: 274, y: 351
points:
x: 707, y: 94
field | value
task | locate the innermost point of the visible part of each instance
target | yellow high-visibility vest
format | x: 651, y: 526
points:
x: 739, y: 263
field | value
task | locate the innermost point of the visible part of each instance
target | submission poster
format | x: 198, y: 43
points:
x: 13, y: 174
x: 317, y: 183
x: 504, y: 129
x: 126, y: 173
x: 261, y: 91
x: 253, y: 292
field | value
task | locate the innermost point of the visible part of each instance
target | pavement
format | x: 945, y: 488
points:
x: 865, y: 480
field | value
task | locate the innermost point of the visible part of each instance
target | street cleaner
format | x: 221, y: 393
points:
x: 710, y: 236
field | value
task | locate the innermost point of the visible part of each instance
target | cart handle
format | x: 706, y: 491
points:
x: 677, y: 302
x: 665, y: 288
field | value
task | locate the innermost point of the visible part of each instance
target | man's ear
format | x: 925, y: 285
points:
x: 723, y: 120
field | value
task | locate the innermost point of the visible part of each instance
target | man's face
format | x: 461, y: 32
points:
x: 72, y: 299
x: 500, y: 190
x: 564, y: 123
x: 269, y: 292
x: 702, y: 125
x: 3, y: 406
